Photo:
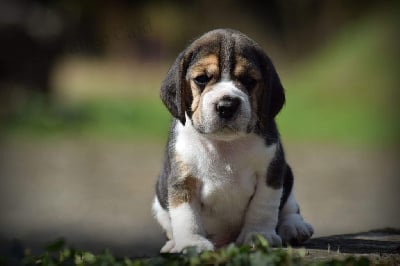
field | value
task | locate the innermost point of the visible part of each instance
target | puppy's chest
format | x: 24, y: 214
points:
x: 225, y: 182
x: 228, y: 171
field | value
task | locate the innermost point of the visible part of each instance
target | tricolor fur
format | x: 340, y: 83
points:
x: 224, y: 177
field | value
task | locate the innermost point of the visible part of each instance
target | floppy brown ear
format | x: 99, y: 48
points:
x: 175, y: 93
x: 273, y: 95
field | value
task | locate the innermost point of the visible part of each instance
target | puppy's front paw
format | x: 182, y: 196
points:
x: 294, y: 230
x: 168, y: 246
x: 248, y: 237
x: 199, y: 242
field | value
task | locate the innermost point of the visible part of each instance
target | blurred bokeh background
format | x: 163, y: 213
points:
x: 83, y: 129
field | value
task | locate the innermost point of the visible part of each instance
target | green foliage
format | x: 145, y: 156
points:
x: 345, y: 91
x: 139, y: 118
x: 259, y: 254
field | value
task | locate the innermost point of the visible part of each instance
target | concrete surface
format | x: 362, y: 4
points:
x: 97, y: 194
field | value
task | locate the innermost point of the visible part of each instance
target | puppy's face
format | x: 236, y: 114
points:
x: 225, y: 84
x: 222, y: 99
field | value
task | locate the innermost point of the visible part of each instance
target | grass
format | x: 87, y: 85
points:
x: 123, y: 119
x: 261, y: 254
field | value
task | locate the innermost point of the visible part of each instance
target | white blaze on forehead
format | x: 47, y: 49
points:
x: 224, y: 88
x: 225, y: 77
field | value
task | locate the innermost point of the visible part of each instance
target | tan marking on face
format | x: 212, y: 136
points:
x: 241, y: 66
x: 196, y: 112
x: 183, y: 190
x: 196, y: 93
x: 244, y: 67
x: 196, y: 109
x: 207, y: 65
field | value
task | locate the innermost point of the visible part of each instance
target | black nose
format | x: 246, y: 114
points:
x: 227, y: 107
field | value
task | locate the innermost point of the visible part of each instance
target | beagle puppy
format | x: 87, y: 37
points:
x: 224, y: 177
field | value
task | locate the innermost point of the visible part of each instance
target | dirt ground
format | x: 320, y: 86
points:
x: 98, y: 194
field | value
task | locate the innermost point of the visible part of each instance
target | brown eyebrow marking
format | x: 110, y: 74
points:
x: 244, y: 67
x: 206, y: 65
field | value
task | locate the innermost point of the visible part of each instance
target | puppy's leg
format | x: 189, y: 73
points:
x: 184, y: 209
x: 291, y: 227
x: 162, y: 217
x: 164, y: 220
x: 262, y: 215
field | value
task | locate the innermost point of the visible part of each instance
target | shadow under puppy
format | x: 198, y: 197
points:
x: 224, y: 176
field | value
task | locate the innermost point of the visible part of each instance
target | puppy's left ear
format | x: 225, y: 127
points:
x: 175, y: 92
x: 273, y: 94
x: 276, y: 90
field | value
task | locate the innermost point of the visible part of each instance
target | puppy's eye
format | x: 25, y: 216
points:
x: 202, y: 80
x: 248, y: 82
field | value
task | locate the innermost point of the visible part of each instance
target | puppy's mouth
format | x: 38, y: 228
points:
x: 223, y: 129
x: 227, y: 128
x: 235, y: 127
x: 227, y: 132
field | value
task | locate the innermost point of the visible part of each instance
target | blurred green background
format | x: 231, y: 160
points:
x: 105, y: 62
x: 81, y: 79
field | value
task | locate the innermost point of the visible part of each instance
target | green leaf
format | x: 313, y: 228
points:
x: 88, y: 257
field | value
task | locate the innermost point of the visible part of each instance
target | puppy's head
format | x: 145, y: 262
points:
x: 225, y: 84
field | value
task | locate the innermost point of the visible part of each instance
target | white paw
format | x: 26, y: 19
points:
x: 248, y: 237
x: 294, y: 230
x: 168, y: 246
x: 199, y: 242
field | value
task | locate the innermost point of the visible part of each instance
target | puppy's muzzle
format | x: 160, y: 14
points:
x: 227, y: 107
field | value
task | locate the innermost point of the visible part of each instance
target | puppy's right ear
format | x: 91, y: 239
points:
x: 175, y: 92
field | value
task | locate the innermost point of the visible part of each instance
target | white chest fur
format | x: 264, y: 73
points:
x: 228, y: 171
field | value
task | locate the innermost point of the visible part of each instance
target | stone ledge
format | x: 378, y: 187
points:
x: 380, y: 246
x: 384, y: 241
